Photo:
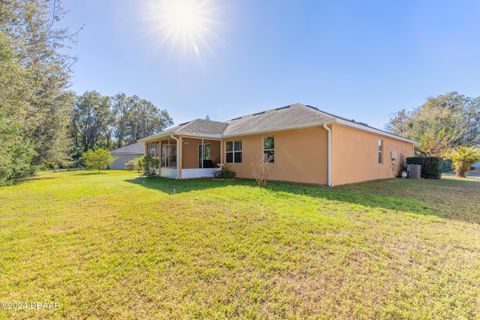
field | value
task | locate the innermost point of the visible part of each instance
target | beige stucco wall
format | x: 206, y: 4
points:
x: 354, y: 155
x: 190, y: 152
x: 300, y: 155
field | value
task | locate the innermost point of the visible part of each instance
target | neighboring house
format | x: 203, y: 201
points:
x: 127, y: 153
x: 299, y: 142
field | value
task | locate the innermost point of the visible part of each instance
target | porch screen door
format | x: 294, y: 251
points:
x: 203, y: 154
x: 169, y: 155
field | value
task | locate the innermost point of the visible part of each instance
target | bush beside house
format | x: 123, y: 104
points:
x: 225, y: 173
x: 135, y: 164
x: 432, y: 167
x: 150, y: 165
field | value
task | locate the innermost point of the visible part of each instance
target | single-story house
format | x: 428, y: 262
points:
x: 127, y: 153
x: 301, y: 144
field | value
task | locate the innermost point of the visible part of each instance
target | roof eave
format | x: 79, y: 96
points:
x: 182, y: 134
x: 194, y: 135
x: 155, y: 137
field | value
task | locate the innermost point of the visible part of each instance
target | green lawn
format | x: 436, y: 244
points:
x: 115, y: 246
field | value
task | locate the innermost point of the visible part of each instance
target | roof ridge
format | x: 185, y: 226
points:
x: 186, y: 125
x: 210, y: 120
x: 296, y: 104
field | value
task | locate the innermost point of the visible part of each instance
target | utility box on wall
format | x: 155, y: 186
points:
x: 394, y: 155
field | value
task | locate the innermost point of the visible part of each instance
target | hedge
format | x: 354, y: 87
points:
x: 431, y: 166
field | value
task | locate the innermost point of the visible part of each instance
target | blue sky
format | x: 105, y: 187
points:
x: 359, y: 59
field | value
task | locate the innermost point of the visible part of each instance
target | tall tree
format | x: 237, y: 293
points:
x: 121, y: 113
x: 440, y: 124
x: 136, y: 118
x: 105, y: 122
x: 29, y: 26
x: 146, y: 119
x: 15, y: 149
x: 91, y: 121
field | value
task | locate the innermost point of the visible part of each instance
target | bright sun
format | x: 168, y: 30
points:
x: 184, y: 23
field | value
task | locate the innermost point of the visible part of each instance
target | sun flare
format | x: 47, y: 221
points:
x: 183, y: 23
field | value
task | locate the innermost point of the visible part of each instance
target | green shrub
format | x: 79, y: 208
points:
x: 150, y: 165
x: 225, y: 173
x: 135, y: 164
x: 431, y: 166
x: 97, y: 159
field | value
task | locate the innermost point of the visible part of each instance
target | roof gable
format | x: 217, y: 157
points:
x: 134, y: 148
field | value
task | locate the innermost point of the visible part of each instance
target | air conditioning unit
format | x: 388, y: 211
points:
x: 414, y: 171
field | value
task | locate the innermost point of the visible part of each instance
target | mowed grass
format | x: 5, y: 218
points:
x: 113, y: 245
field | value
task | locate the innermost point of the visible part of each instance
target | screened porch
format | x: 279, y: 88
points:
x: 187, y: 157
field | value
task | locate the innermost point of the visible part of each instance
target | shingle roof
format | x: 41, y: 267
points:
x: 294, y: 116
x: 283, y: 118
x: 134, y: 148
x: 206, y: 127
x: 172, y: 130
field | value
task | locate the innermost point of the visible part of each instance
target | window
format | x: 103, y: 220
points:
x: 169, y: 155
x: 380, y: 151
x: 269, y: 150
x: 234, y: 151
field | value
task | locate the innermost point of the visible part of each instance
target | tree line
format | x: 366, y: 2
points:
x: 112, y: 122
x: 43, y: 124
x: 441, y: 124
x: 446, y: 126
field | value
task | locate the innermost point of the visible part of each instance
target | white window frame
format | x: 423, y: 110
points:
x: 273, y: 150
x: 380, y: 148
x: 233, y: 151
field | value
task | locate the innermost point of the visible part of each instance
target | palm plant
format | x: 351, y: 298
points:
x: 463, y: 158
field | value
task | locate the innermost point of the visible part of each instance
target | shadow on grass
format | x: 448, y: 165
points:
x: 93, y: 173
x: 446, y: 198
x: 172, y: 186
x: 20, y: 181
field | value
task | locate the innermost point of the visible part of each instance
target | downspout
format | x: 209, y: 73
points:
x: 178, y: 148
x: 329, y: 155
